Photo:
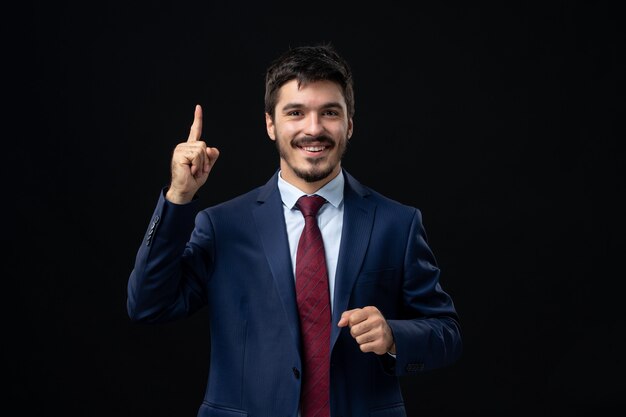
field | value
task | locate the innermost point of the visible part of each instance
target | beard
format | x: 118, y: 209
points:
x: 320, y: 168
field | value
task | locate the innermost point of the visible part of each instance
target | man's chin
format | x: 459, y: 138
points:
x: 314, y: 175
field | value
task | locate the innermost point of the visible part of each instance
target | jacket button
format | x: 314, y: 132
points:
x: 296, y: 373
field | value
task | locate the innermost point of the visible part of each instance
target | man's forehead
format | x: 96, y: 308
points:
x: 317, y: 93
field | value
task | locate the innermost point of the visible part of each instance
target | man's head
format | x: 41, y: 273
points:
x: 307, y: 64
x: 309, y: 104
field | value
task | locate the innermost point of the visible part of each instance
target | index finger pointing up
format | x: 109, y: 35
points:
x: 196, y: 128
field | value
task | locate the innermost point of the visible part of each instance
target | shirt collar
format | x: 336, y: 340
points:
x: 332, y: 192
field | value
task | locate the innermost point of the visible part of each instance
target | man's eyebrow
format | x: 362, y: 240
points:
x: 292, y: 106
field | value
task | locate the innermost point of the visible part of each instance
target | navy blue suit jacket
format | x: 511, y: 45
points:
x: 233, y: 259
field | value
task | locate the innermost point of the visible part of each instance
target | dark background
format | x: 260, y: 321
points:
x: 500, y: 123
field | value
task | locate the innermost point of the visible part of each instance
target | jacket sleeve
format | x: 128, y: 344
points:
x: 168, y: 278
x: 427, y: 335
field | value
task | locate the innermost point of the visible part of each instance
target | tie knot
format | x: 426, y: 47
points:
x: 309, y: 205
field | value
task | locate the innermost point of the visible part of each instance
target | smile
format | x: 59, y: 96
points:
x: 313, y: 148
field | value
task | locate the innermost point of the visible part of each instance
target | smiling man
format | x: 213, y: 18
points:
x: 321, y: 292
x: 311, y: 127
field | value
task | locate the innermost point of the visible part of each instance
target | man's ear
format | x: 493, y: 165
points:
x: 350, y: 127
x: 269, y: 125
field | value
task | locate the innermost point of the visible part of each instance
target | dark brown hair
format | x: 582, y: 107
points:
x: 308, y: 64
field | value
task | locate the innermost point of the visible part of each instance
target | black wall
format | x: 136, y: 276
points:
x: 500, y: 123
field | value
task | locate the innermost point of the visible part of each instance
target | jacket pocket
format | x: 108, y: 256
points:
x: 396, y: 410
x: 211, y: 410
x: 376, y: 276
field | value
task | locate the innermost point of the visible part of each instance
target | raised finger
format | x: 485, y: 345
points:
x: 196, y: 128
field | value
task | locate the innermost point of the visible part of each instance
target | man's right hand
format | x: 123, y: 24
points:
x: 191, y: 163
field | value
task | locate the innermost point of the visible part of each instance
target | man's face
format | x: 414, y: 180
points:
x: 311, y: 129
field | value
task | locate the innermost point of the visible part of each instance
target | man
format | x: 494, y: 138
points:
x: 380, y: 312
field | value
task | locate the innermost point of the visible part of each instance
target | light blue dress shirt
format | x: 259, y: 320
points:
x: 329, y: 219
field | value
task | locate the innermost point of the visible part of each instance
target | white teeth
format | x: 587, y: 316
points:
x: 313, y: 148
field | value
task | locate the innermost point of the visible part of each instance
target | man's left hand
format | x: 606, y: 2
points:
x: 370, y: 330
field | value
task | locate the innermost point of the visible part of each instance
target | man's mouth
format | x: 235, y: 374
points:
x: 313, y: 148
x: 314, y: 145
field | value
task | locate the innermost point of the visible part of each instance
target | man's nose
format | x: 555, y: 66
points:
x: 313, y: 125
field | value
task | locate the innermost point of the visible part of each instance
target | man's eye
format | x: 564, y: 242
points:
x: 331, y: 113
x: 294, y: 113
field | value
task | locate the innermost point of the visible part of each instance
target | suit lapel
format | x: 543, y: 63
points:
x: 358, y: 219
x: 270, y: 223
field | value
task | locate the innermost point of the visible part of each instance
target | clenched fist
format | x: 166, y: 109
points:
x: 370, y: 330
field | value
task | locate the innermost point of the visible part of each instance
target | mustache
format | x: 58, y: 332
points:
x: 306, y: 141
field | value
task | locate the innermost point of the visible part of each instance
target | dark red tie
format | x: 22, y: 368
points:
x: 314, y: 308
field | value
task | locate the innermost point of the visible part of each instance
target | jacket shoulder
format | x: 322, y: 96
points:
x: 382, y: 201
